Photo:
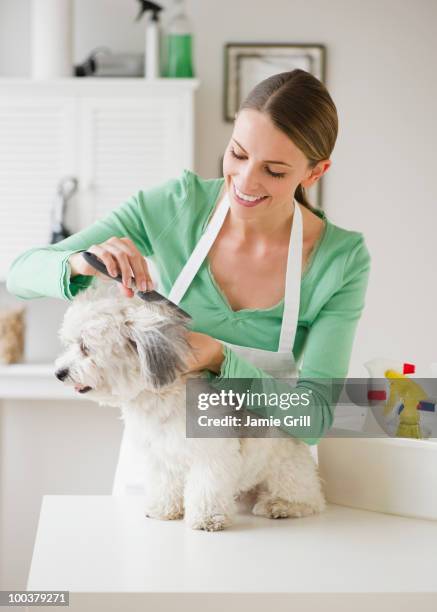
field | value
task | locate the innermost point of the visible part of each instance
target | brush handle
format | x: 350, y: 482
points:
x: 98, y: 264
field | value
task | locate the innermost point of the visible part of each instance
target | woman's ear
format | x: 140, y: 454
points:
x: 316, y: 172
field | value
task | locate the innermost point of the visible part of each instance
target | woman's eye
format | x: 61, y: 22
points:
x: 236, y: 156
x: 274, y: 174
x: 84, y: 349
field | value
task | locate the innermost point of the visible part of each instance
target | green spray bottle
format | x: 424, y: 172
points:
x: 179, y: 43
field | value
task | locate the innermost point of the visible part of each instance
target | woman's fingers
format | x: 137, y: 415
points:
x: 106, y: 257
x: 141, y: 273
x: 121, y: 257
x: 138, y: 264
x: 127, y: 292
x: 123, y: 262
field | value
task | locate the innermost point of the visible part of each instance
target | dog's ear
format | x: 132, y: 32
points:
x: 159, y: 340
x: 161, y: 352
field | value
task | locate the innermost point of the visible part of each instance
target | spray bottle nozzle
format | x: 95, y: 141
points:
x: 146, y: 5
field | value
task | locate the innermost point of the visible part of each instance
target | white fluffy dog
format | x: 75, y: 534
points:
x: 128, y: 353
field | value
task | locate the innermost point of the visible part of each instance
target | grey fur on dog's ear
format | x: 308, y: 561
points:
x: 162, y: 361
x: 160, y: 349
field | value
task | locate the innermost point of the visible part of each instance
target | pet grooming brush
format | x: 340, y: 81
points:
x: 147, y: 296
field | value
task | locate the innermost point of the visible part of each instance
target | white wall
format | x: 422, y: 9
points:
x: 381, y: 73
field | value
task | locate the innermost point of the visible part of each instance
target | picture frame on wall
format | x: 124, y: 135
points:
x: 247, y: 64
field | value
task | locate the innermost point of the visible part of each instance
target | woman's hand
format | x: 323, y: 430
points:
x: 120, y: 256
x: 207, y: 353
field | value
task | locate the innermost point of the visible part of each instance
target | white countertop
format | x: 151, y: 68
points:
x: 91, y: 544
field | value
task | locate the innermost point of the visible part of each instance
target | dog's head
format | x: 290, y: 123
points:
x: 116, y: 347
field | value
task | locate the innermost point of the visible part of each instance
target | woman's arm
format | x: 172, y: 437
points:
x: 45, y: 271
x: 206, y: 353
x: 326, y: 357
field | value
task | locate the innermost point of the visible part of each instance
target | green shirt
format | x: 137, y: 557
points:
x: 165, y: 223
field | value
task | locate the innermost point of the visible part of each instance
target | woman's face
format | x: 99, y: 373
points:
x: 262, y: 167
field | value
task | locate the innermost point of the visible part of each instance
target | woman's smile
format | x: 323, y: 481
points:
x: 245, y: 199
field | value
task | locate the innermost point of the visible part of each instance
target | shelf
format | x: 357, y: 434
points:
x: 95, y: 86
x: 33, y: 381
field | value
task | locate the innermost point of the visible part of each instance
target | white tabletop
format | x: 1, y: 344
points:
x: 89, y: 544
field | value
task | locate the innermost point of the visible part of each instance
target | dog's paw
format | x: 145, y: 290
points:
x: 280, y: 508
x: 173, y: 513
x: 210, y: 522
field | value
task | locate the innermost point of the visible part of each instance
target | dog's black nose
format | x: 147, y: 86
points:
x: 61, y: 374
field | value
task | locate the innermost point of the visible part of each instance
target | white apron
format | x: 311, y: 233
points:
x: 280, y: 363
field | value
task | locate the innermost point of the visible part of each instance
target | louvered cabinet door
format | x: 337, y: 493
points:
x: 37, y: 148
x: 128, y: 144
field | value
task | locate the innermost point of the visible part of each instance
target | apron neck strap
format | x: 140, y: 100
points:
x: 200, y: 252
x: 293, y: 274
x: 290, y: 316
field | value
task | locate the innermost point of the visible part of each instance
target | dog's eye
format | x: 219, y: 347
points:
x: 84, y: 349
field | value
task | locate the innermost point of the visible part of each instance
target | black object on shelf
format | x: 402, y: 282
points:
x: 66, y: 189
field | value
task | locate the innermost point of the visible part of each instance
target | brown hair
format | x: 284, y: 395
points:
x: 299, y: 105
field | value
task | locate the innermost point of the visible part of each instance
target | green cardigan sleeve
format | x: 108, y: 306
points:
x: 326, y: 354
x: 45, y: 272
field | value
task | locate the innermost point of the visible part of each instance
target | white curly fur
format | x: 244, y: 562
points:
x: 128, y: 353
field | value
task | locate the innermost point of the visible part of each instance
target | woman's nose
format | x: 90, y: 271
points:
x: 249, y: 179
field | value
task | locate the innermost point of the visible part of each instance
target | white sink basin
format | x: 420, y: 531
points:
x: 391, y: 475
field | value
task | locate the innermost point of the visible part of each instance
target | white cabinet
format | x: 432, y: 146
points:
x: 116, y: 136
x: 36, y: 150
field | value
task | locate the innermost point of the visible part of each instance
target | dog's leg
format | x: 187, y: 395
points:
x: 164, y: 492
x: 211, y: 486
x: 291, y: 487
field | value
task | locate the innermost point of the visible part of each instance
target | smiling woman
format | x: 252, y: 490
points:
x: 256, y: 128
x: 262, y: 166
x: 274, y: 289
